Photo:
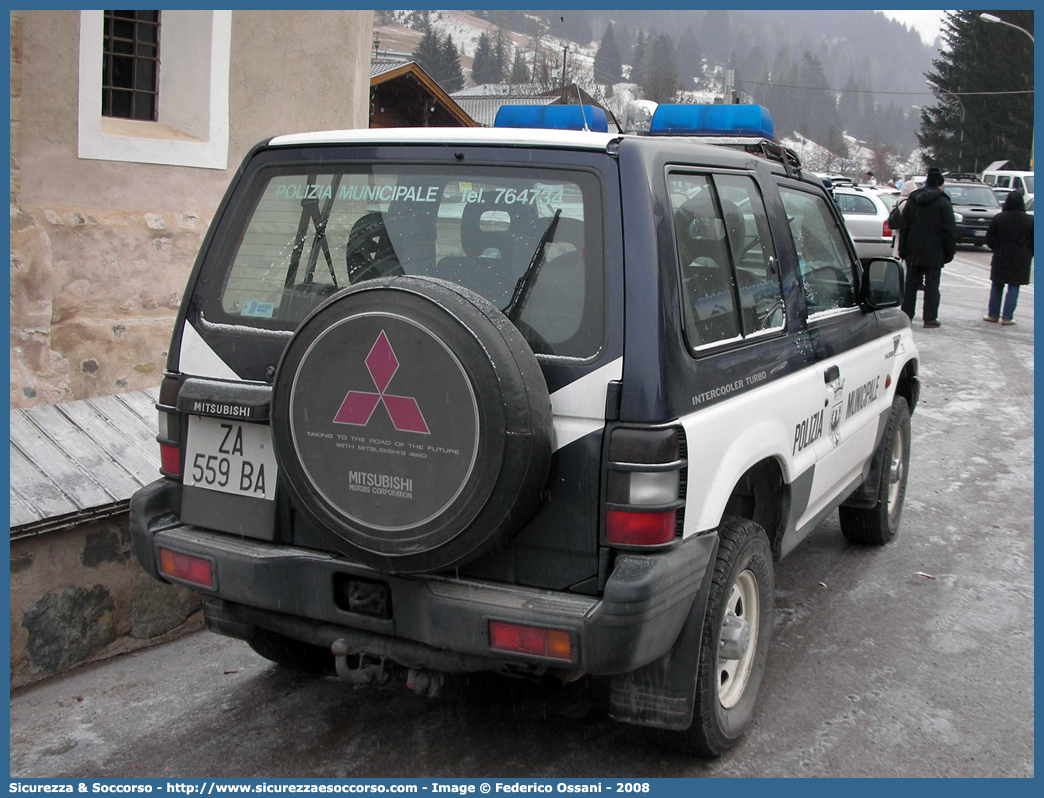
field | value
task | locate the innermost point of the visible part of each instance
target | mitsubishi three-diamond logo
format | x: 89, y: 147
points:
x: 358, y: 406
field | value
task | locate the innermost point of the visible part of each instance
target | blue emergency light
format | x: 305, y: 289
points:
x: 711, y: 120
x: 553, y: 117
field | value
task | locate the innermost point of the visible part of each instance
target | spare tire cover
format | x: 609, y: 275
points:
x: 412, y: 424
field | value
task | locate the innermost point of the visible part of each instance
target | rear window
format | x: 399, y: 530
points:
x: 528, y: 240
x: 855, y: 204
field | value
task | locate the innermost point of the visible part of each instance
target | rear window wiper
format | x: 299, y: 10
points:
x: 310, y: 212
x: 525, y: 283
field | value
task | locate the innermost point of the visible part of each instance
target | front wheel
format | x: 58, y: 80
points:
x: 735, y: 641
x: 877, y: 525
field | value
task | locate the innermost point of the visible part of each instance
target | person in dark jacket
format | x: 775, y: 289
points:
x: 928, y: 242
x: 1010, y: 236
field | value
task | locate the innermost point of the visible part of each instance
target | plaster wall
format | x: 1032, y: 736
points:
x: 101, y: 250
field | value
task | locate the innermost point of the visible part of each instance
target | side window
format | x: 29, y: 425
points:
x: 825, y: 267
x: 730, y: 282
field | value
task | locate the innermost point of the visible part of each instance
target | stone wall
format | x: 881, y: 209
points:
x: 93, y: 299
x: 79, y: 596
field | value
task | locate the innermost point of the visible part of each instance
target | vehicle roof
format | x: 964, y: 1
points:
x: 989, y: 171
x: 868, y: 191
x: 721, y: 150
x: 586, y: 140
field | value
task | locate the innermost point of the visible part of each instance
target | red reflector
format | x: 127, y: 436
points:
x: 639, y: 529
x: 529, y: 640
x: 170, y: 459
x: 182, y: 566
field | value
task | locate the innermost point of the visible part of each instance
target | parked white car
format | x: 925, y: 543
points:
x: 866, y: 216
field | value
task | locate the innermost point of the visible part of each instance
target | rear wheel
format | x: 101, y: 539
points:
x: 734, y: 645
x: 877, y: 525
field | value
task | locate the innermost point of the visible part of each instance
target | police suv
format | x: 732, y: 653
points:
x: 541, y: 399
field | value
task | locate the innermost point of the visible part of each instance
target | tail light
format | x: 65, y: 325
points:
x: 169, y: 436
x: 886, y: 231
x: 554, y: 643
x: 185, y: 567
x: 645, y: 486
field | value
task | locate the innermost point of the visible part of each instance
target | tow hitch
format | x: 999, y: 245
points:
x: 370, y: 669
x: 373, y: 669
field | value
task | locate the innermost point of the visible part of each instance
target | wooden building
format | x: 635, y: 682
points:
x: 404, y: 95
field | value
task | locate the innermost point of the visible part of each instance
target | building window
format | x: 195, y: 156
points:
x: 189, y: 127
x: 130, y: 64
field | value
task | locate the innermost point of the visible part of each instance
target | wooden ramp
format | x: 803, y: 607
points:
x: 81, y: 460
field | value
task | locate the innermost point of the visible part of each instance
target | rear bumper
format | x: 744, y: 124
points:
x: 435, y: 621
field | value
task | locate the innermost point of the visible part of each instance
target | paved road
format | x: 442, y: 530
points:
x: 913, y: 660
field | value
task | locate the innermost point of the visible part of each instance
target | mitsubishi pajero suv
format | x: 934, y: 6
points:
x: 542, y: 399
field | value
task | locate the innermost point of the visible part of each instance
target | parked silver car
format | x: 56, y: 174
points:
x: 866, y: 217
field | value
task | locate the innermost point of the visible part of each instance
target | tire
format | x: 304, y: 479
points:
x: 879, y: 524
x: 292, y: 654
x: 411, y: 424
x: 741, y: 600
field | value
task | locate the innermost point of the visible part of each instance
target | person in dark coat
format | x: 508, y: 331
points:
x: 1010, y: 236
x: 928, y: 242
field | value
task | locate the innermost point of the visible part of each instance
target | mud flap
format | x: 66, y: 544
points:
x: 866, y: 495
x: 662, y: 693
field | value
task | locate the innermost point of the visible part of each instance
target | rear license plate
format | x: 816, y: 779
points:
x: 231, y: 457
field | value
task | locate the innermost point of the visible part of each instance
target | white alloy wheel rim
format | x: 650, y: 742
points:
x: 895, y: 472
x: 733, y: 674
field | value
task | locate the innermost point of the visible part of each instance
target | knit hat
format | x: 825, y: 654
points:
x: 934, y: 179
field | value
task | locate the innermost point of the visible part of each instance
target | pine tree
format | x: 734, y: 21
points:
x: 717, y: 35
x: 780, y: 95
x: 500, y: 56
x: 638, y: 56
x: 452, y: 74
x: 690, y: 62
x: 608, y: 68
x: 428, y: 52
x: 483, y: 68
x: 818, y: 105
x: 519, y: 69
x: 576, y: 27
x: 978, y: 117
x: 852, y: 108
x: 659, y: 73
x: 835, y: 142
